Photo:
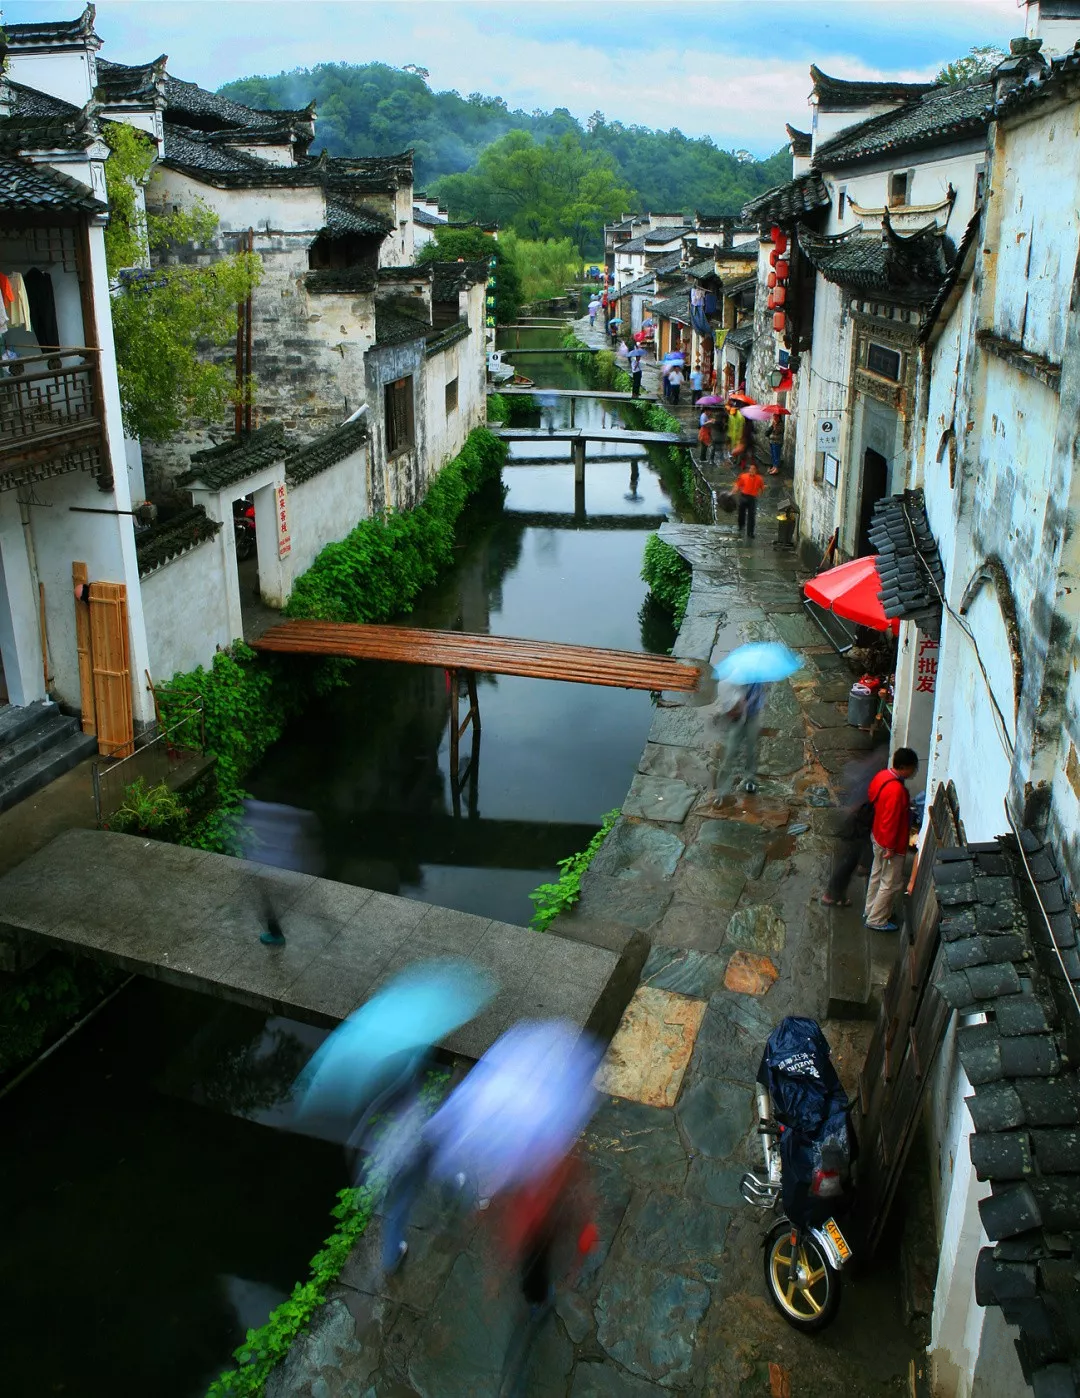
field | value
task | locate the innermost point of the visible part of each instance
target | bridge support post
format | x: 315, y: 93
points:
x: 579, y: 460
x: 457, y: 730
x: 573, y: 404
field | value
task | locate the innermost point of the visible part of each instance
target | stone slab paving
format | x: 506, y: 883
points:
x: 192, y: 918
x: 673, y: 1300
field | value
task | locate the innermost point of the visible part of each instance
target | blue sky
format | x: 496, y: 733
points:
x: 735, y: 70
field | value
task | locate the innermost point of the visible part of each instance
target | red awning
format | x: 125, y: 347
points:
x: 851, y: 591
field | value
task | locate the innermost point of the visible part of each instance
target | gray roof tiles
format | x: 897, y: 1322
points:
x: 942, y: 113
x: 909, y: 268
x: 319, y: 455
x: 1025, y: 1105
x: 913, y: 583
x: 234, y: 460
x: 27, y: 188
x: 788, y: 203
x: 844, y: 93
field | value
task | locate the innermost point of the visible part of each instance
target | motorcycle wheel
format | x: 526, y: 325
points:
x: 810, y: 1301
x: 245, y: 546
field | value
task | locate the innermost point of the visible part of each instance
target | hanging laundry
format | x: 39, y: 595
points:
x: 39, y: 293
x: 7, y: 295
x: 19, y: 310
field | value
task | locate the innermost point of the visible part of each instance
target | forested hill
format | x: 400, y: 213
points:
x: 373, y: 109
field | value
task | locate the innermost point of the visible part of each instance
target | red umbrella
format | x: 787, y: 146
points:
x: 740, y: 398
x: 851, y: 591
x: 775, y: 410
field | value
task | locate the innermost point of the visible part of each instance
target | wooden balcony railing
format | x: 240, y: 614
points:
x: 50, y: 405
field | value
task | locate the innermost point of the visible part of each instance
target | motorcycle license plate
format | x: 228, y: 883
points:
x: 837, y: 1239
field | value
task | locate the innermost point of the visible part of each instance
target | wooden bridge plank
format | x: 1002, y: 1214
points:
x: 496, y: 655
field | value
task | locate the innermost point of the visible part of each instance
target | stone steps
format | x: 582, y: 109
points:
x: 37, y: 745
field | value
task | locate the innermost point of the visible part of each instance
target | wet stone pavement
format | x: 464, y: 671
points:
x: 673, y: 1300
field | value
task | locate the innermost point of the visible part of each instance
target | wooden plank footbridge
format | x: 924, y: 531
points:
x: 462, y: 654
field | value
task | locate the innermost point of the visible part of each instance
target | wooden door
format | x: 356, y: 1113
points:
x: 111, y: 669
x: 80, y: 578
x: 910, y: 1029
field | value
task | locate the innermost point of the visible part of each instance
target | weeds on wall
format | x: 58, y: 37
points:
x: 374, y: 573
x: 270, y: 1343
x: 669, y: 576
x: 551, y: 899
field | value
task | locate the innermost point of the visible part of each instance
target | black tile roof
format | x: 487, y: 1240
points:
x: 239, y: 457
x: 908, y: 561
x: 675, y: 307
x: 125, y: 82
x: 801, y: 141
x: 346, y: 280
x: 162, y: 542
x: 325, y: 451
x: 665, y: 235
x: 907, y: 268
x: 411, y: 272
x: 424, y: 219
x: 192, y: 105
x: 787, y: 203
x: 705, y: 268
x: 742, y: 337
x: 666, y: 264
x: 640, y: 286
x: 632, y: 244
x: 343, y: 218
x: 940, y: 114
x: 51, y: 31
x: 48, y: 133
x: 451, y: 335
x: 376, y: 172
x: 29, y: 102
x: 1041, y: 81
x: 1025, y: 1105
x: 451, y: 278
x: 190, y: 150
x: 739, y: 288
x: 840, y: 93
x: 27, y: 188
x: 393, y: 328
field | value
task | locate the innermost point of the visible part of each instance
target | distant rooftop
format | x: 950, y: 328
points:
x: 841, y: 94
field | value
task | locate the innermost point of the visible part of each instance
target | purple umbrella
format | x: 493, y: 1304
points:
x: 710, y: 400
x: 521, y: 1108
x: 754, y: 412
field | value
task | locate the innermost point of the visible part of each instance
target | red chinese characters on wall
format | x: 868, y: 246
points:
x: 926, y: 665
x: 284, y: 542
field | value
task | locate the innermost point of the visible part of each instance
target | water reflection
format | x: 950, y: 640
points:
x: 373, y: 760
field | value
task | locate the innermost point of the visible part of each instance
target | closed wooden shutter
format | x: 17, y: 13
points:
x: 111, y: 669
x: 79, y: 577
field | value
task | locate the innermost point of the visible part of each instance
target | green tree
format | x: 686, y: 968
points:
x: 549, y: 189
x: 474, y: 245
x: 979, y: 61
x: 544, y: 268
x: 167, y: 317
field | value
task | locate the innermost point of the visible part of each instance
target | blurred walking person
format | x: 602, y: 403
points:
x: 748, y: 486
x: 740, y: 709
x: 853, y: 820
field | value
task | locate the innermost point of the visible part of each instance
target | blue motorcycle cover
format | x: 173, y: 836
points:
x: 809, y: 1102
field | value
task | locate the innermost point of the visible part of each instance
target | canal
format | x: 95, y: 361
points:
x: 156, y: 1208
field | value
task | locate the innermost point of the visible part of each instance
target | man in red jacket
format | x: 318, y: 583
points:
x: 888, y: 796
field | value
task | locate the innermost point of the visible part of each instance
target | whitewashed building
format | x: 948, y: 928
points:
x: 64, y: 491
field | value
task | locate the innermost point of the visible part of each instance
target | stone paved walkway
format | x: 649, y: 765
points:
x: 673, y: 1301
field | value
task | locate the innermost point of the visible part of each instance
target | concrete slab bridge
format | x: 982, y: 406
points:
x: 193, y: 919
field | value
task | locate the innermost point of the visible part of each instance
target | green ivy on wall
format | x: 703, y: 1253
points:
x: 551, y: 899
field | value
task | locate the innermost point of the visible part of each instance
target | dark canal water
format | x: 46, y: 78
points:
x: 372, y: 760
x: 154, y: 1209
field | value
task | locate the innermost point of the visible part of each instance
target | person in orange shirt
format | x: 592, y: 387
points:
x: 748, y: 487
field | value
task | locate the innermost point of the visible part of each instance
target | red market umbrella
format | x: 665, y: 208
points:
x: 775, y: 410
x: 851, y: 591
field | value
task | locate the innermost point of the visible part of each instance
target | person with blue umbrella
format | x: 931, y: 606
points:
x: 745, y: 674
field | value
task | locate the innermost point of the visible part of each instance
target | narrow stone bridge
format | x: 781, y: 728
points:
x: 193, y: 919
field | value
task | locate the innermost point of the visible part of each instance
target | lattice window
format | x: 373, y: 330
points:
x: 49, y: 245
x: 398, y: 399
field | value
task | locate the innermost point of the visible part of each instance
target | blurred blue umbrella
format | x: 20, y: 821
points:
x: 674, y: 357
x: 762, y: 662
x: 521, y: 1108
x: 615, y: 320
x: 386, y: 1035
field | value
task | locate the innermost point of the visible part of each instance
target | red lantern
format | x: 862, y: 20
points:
x: 775, y: 234
x: 781, y: 270
x: 779, y: 320
x: 780, y: 240
x: 772, y: 257
x: 770, y: 304
x: 772, y: 280
x: 779, y: 296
